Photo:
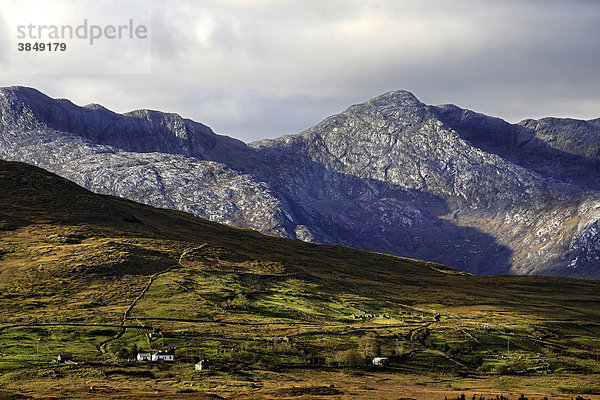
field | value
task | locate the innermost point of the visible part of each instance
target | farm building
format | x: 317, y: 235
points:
x: 380, y: 361
x: 162, y: 334
x: 144, y: 357
x: 204, y: 365
x: 65, y: 358
x: 164, y: 355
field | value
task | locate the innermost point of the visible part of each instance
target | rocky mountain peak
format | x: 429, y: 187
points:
x: 396, y: 104
x: 397, y: 98
x: 23, y: 93
x: 137, y: 131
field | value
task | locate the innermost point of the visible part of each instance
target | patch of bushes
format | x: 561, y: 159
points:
x: 130, y: 373
x: 579, y: 389
x: 307, y: 391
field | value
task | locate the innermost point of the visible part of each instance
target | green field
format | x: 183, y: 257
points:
x: 92, y: 275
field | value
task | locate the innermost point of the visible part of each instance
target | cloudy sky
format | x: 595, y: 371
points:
x: 262, y: 68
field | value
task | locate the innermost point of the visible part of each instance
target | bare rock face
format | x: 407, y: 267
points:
x: 154, y: 158
x: 391, y: 175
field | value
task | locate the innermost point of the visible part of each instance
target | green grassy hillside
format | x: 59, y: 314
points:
x: 92, y: 275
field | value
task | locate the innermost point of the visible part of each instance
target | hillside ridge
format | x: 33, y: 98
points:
x: 391, y: 175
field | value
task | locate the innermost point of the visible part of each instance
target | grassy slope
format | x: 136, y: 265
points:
x: 73, y: 265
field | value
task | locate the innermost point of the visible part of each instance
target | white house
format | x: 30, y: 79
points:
x: 380, y: 361
x: 204, y: 365
x: 65, y: 358
x: 163, y: 355
x: 144, y: 357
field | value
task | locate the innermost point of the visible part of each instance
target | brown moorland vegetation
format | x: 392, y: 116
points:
x: 92, y: 276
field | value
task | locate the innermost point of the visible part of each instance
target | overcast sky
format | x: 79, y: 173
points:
x: 256, y: 69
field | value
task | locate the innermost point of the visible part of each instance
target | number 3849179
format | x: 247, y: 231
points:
x: 39, y: 46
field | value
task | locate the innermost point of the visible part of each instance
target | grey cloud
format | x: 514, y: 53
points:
x: 268, y: 67
x: 4, y: 43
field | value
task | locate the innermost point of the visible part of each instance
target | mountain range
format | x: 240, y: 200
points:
x: 391, y: 175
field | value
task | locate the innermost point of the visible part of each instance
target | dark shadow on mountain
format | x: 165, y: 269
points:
x: 519, y: 144
x: 377, y: 216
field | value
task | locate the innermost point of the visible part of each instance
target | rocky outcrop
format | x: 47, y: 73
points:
x: 391, y: 175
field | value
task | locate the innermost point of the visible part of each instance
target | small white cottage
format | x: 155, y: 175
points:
x: 204, y: 365
x: 144, y: 357
x: 380, y: 361
x: 164, y: 355
x: 65, y: 358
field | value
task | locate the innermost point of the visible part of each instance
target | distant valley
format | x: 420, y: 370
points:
x: 99, y: 280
